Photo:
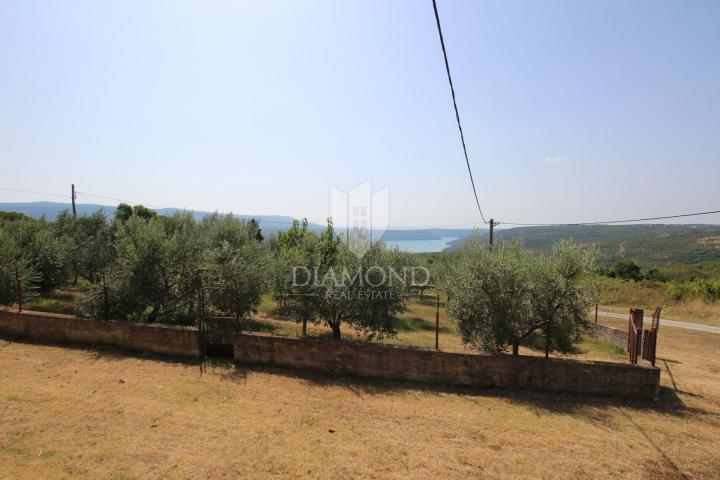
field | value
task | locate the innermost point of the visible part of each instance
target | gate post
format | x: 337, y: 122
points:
x: 437, y: 323
x: 635, y: 334
x: 201, y: 336
x: 18, y: 288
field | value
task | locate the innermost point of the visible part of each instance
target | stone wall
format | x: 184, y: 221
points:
x: 54, y: 327
x: 346, y: 358
x: 609, y: 334
x: 400, y: 363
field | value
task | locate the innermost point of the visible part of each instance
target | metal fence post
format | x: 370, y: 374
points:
x: 18, y: 288
x: 596, y: 308
x: 105, y: 295
x: 437, y: 323
x: 635, y: 325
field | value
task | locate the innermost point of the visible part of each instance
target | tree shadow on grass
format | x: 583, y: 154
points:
x: 597, y: 409
x: 413, y: 323
x: 257, y: 325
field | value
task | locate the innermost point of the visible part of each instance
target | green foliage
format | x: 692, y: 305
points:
x: 94, y: 245
x: 51, y: 256
x: 490, y: 294
x: 15, y: 267
x: 139, y: 282
x: 298, y: 256
x: 677, y: 290
x: 648, y: 245
x: 123, y: 212
x: 317, y: 278
x: 708, y: 290
x: 562, y: 293
x: 502, y: 297
x: 627, y: 270
x: 237, y: 264
x: 12, y: 217
x: 36, y: 243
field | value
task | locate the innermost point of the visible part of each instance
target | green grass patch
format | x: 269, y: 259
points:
x: 589, y: 344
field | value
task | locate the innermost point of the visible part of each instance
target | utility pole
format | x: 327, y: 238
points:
x: 492, y: 228
x: 73, y: 201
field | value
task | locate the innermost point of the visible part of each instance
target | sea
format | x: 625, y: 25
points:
x: 421, y: 246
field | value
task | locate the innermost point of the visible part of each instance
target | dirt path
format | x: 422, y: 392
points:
x: 666, y: 322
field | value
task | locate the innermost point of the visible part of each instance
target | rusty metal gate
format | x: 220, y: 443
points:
x: 642, y: 343
x: 635, y: 324
x: 216, y: 333
x: 650, y: 338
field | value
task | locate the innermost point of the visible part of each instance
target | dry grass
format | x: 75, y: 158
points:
x: 422, y: 335
x: 415, y: 327
x: 74, y: 413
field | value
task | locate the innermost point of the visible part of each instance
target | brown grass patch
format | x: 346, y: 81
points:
x: 74, y: 413
x: 709, y: 242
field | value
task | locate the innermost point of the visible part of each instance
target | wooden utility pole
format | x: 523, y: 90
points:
x: 492, y: 228
x: 73, y: 201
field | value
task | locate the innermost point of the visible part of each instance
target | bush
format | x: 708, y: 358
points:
x: 708, y: 290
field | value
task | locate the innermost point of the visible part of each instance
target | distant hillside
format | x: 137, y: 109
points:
x: 649, y: 245
x: 269, y: 223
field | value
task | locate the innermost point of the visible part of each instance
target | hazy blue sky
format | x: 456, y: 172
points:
x: 573, y: 110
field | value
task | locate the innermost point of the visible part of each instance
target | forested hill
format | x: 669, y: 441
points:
x: 50, y: 210
x: 649, y: 245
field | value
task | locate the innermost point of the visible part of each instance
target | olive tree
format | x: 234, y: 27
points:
x: 297, y: 257
x: 16, y: 270
x: 358, y: 290
x: 562, y: 293
x: 94, y: 245
x: 37, y: 243
x: 489, y: 294
x: 236, y: 265
x: 139, y: 282
x: 502, y: 297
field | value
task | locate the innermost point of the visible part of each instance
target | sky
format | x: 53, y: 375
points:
x: 572, y: 110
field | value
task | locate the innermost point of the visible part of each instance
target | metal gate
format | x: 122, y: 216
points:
x: 216, y: 333
x: 642, y: 343
x: 650, y: 338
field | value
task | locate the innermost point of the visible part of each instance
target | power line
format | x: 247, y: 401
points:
x: 120, y: 200
x: 457, y: 114
x: 416, y: 227
x: 607, y: 222
x: 34, y: 193
x: 276, y: 222
x: 90, y: 202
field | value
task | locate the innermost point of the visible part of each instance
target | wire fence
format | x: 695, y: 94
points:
x: 422, y: 322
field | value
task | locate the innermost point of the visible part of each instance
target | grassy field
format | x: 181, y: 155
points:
x: 416, y: 328
x: 101, y: 414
